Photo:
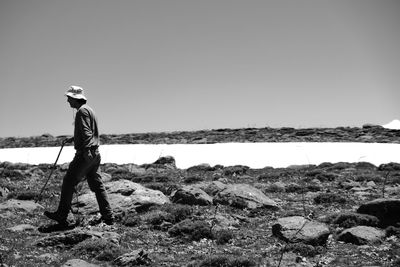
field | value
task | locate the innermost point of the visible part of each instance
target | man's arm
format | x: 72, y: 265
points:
x: 86, y: 133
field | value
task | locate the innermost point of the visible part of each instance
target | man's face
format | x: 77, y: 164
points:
x: 72, y: 101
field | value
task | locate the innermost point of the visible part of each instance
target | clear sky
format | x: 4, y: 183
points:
x: 169, y: 65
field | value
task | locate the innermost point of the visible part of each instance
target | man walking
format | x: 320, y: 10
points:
x: 85, y: 163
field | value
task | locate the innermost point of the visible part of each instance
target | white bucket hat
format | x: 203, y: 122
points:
x: 75, y: 92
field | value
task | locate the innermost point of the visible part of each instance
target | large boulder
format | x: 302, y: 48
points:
x: 386, y: 210
x: 191, y: 195
x: 244, y: 196
x: 299, y: 229
x: 362, y: 235
x: 123, y: 195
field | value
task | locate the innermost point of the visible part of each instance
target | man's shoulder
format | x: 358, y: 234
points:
x: 85, y: 109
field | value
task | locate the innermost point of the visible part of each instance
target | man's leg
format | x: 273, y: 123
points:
x: 76, y: 170
x: 96, y: 185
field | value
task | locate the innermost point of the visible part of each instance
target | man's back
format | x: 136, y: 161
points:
x: 86, y: 133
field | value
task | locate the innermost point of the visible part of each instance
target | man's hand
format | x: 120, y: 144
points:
x: 87, y: 155
x: 68, y: 140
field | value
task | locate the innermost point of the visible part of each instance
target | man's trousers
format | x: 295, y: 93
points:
x: 78, y: 169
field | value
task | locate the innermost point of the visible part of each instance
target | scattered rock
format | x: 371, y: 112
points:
x: 73, y: 237
x: 14, y: 205
x: 134, y: 258
x: 78, y: 263
x: 362, y: 178
x: 299, y: 229
x: 244, y: 196
x: 3, y: 192
x: 350, y: 184
x: 224, y: 221
x: 386, y: 210
x: 106, y: 177
x: 215, y: 187
x: 235, y: 170
x: 123, y: 195
x: 167, y: 161
x: 22, y: 228
x: 49, y: 257
x: 64, y: 166
x: 191, y: 195
x: 350, y: 219
x: 205, y: 167
x: 68, y: 238
x: 362, y: 235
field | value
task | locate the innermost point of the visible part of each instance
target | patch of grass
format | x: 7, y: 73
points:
x: 193, y: 230
x: 368, y: 177
x: 13, y: 174
x: 393, y: 231
x: 121, y: 174
x: 193, y: 179
x: 326, y: 177
x: 224, y: 261
x: 271, y: 177
x: 130, y: 219
x: 179, y: 212
x: 314, y: 187
x: 275, y: 188
x: 223, y: 236
x: 166, y: 188
x: 97, y: 248
x: 294, y: 188
x: 348, y: 220
x: 22, y: 195
x: 394, y: 179
x: 339, y: 166
x: 304, y: 249
x: 157, y: 215
x: 329, y: 198
x: 235, y: 170
x: 156, y: 218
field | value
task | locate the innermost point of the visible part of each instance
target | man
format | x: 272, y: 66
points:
x: 85, y: 163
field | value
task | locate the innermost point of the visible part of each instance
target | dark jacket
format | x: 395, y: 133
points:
x: 86, y: 133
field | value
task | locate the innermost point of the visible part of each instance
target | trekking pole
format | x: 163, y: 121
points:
x: 51, y: 173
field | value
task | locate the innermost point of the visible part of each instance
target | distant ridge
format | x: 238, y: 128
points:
x: 394, y: 125
x: 369, y: 133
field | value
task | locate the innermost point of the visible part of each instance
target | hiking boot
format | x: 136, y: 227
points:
x: 55, y: 216
x: 108, y: 220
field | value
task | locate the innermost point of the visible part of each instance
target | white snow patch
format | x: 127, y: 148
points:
x: 254, y: 155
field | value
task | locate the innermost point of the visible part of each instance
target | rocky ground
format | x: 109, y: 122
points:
x: 342, y: 214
